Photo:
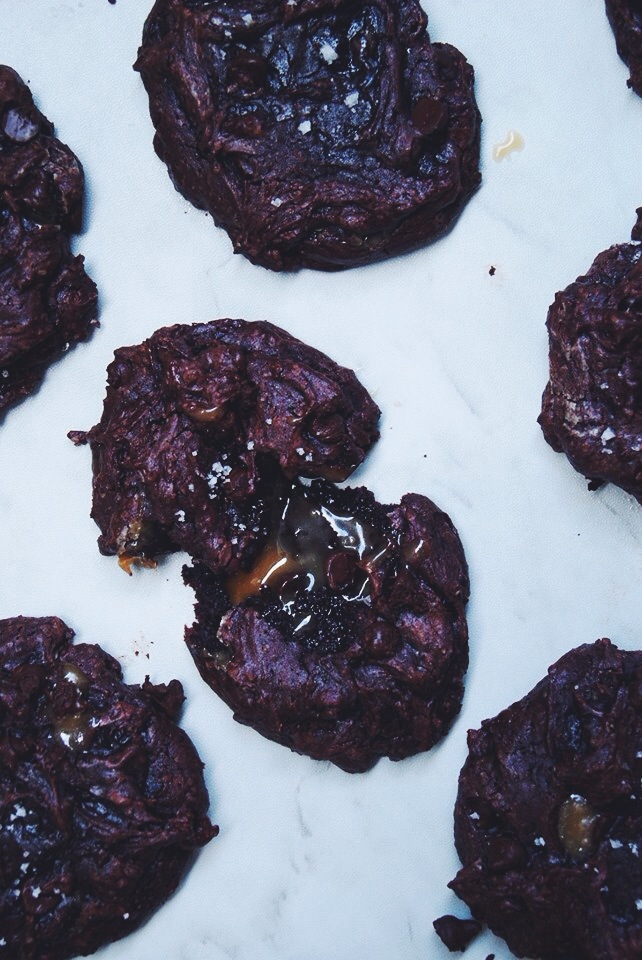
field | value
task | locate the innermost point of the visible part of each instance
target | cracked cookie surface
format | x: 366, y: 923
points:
x: 200, y: 422
x: 47, y: 301
x: 346, y: 640
x: 102, y: 799
x: 548, y: 819
x: 318, y: 133
x: 592, y: 405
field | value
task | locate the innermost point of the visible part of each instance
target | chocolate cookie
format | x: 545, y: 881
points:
x: 625, y: 17
x: 199, y: 424
x: 102, y: 800
x: 47, y: 301
x: 548, y: 820
x: 346, y: 638
x: 318, y: 133
x: 592, y: 406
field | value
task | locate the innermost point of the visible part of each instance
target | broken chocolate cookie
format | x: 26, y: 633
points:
x: 318, y: 133
x: 346, y: 638
x: 47, y: 301
x: 592, y: 405
x: 548, y: 819
x: 102, y: 799
x: 625, y: 17
x: 199, y: 424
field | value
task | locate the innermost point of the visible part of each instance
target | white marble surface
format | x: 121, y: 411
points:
x: 313, y: 863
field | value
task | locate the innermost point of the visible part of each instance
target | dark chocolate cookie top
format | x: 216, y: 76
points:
x: 625, y: 17
x: 548, y: 820
x: 199, y: 424
x: 592, y: 405
x: 346, y: 639
x: 47, y: 301
x: 102, y: 799
x: 318, y: 133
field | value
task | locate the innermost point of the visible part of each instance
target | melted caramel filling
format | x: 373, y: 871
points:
x: 311, y: 546
x: 73, y: 730
x: 206, y: 414
x: 128, y: 540
x: 73, y: 675
x: 576, y: 827
x: 126, y: 561
x: 247, y: 583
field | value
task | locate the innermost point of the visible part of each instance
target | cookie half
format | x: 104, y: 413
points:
x: 346, y: 638
x: 102, y: 799
x: 199, y: 424
x: 592, y: 405
x: 548, y: 820
x: 47, y: 301
x: 318, y: 133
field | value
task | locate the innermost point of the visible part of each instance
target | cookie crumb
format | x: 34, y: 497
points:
x: 455, y: 933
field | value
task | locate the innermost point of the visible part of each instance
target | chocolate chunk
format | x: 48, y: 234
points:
x: 455, y: 933
x: 47, y: 301
x: 322, y: 133
x: 102, y: 799
x: 199, y: 425
x: 625, y: 17
x: 349, y: 668
x: 592, y: 405
x: 557, y: 870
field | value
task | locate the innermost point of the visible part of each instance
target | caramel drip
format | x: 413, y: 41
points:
x: 126, y: 561
x: 247, y: 583
x: 311, y: 546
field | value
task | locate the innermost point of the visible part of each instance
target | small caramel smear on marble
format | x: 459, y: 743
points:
x: 512, y: 143
x: 575, y: 826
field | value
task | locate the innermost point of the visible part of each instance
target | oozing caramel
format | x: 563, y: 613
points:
x: 206, y: 414
x: 246, y: 583
x: 73, y: 730
x: 126, y: 561
x: 74, y: 675
x: 576, y: 826
x: 311, y: 546
x: 129, y: 540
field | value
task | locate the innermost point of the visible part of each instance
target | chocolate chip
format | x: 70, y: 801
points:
x: 428, y: 114
x: 340, y: 569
